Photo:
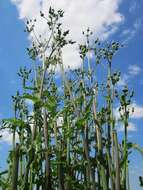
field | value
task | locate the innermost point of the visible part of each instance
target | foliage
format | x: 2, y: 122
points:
x: 68, y: 138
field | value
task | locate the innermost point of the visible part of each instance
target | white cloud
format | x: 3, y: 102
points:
x: 137, y: 114
x: 137, y: 24
x: 126, y: 32
x: 138, y: 111
x: 129, y: 33
x: 29, y: 102
x: 7, y: 136
x: 134, y: 69
x: 133, y: 6
x: 131, y: 127
x: 102, y: 16
x: 123, y: 80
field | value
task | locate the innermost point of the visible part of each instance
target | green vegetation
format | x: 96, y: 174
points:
x: 68, y: 138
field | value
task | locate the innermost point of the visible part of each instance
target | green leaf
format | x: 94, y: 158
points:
x: 15, y: 122
x: 138, y: 148
x: 31, y: 97
x: 80, y: 122
x: 4, y: 172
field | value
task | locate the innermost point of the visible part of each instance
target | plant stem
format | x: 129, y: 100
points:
x: 15, y: 167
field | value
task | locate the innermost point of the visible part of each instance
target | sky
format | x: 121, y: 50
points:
x: 119, y: 20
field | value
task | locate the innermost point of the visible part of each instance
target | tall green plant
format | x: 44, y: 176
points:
x: 68, y: 138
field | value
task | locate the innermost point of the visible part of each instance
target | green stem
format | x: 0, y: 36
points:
x: 117, y: 163
x: 15, y: 168
x: 47, y: 159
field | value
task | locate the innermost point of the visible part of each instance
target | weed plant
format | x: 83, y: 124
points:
x: 68, y: 138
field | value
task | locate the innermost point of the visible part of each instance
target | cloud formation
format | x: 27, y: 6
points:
x: 133, y: 6
x: 138, y: 111
x: 7, y: 136
x: 123, y: 80
x: 137, y: 114
x: 134, y: 69
x: 102, y: 16
x: 129, y: 33
x: 131, y: 127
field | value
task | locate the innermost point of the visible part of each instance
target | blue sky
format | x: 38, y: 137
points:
x: 127, y: 27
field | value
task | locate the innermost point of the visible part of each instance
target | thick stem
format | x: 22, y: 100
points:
x: 125, y: 149
x: 100, y: 149
x: 47, y: 159
x: 15, y: 168
x: 117, y: 163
